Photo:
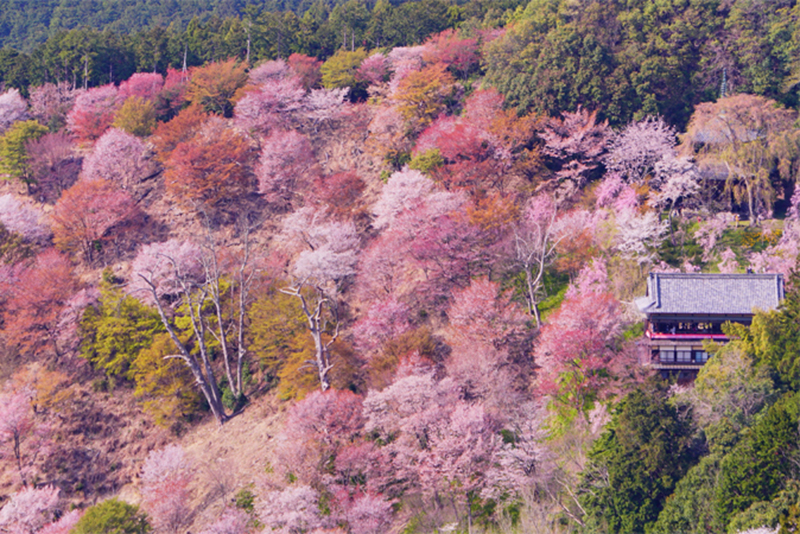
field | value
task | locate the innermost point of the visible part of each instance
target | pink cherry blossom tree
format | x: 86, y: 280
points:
x: 448, y: 251
x: 269, y: 71
x: 403, y: 416
x: 374, y: 70
x: 576, y: 349
x: 404, y: 190
x: 145, y: 85
x: 35, y: 295
x: 383, y: 266
x: 323, y: 106
x: 780, y: 257
x: 710, y: 230
x: 119, y: 157
x: 173, y: 94
x: 232, y: 521
x: 286, y: 168
x: 168, y: 266
x: 359, y: 468
x: 460, y: 54
x: 166, y: 475
x: 55, y: 164
x: 293, y: 510
x: 403, y: 60
x: 608, y: 189
x: 634, y: 152
x: 483, y: 107
x: 576, y: 141
x: 13, y: 108
x: 271, y: 104
x: 728, y: 262
x: 21, y: 432
x: 368, y: 514
x: 93, y: 112
x: 485, y: 332
x: 325, y: 253
x: 639, y: 234
x: 317, y: 429
x: 444, y: 247
x: 592, y: 278
x: 306, y: 68
x: 386, y: 133
x: 50, y: 102
x: 90, y: 214
x: 23, y: 219
x: 383, y: 321
x: 460, y: 452
x: 65, y: 523
x: 679, y: 182
x: 68, y: 335
x: 525, y: 460
x: 29, y: 510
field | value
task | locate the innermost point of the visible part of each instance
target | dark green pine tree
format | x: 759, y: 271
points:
x: 636, y: 463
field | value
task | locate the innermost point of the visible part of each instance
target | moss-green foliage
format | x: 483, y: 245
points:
x: 633, y: 331
x: 773, y: 338
x: 14, y: 159
x: 112, y: 517
x: 630, y: 59
x: 729, y: 391
x: 165, y: 385
x: 127, y: 340
x: 689, y: 510
x: 245, y: 500
x: 759, y: 514
x: 427, y: 161
x: 280, y: 340
x: 759, y: 465
x: 137, y: 116
x: 117, y: 330
x: 681, y: 246
x: 634, y: 466
x: 340, y: 69
x: 555, y: 288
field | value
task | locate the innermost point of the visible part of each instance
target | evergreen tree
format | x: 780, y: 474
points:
x: 636, y: 463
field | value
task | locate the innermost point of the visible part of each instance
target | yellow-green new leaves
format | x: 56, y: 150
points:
x: 340, y: 69
x: 14, y: 159
x: 137, y: 116
x: 280, y: 340
x: 164, y: 383
x: 117, y: 331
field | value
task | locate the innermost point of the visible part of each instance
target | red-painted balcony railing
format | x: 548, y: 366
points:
x: 687, y: 336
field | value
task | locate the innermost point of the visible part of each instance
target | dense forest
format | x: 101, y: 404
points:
x: 369, y: 268
x: 23, y: 25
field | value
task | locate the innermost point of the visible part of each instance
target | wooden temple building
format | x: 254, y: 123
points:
x: 683, y: 310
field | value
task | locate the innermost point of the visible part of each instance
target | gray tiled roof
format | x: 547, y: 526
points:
x: 711, y: 294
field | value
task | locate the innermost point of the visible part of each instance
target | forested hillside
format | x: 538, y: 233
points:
x: 24, y: 25
x: 372, y: 270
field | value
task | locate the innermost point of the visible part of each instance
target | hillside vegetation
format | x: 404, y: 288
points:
x: 386, y: 284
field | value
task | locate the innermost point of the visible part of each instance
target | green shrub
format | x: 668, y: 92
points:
x: 427, y: 161
x: 112, y: 517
